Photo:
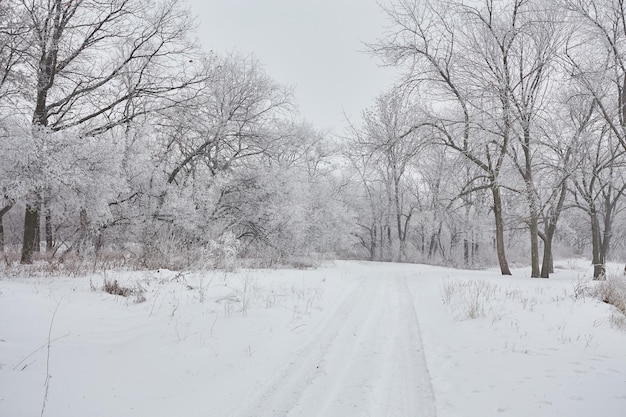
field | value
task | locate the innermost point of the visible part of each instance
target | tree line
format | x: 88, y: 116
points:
x: 509, y: 109
x: 119, y: 133
x: 505, y: 135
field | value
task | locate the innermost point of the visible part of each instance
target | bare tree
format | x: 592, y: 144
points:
x: 232, y: 116
x: 598, y: 188
x: 555, y: 168
x: 394, y: 148
x: 596, y: 63
x: 527, y: 61
x: 367, y: 196
x: 489, y: 70
x: 383, y: 151
x: 427, y: 39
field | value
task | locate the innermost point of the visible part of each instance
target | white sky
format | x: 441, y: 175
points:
x: 312, y: 45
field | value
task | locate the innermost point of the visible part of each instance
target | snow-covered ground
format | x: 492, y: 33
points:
x: 347, y: 339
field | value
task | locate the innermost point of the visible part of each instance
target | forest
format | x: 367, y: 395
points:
x: 124, y: 142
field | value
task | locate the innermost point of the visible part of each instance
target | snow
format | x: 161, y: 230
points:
x: 346, y: 339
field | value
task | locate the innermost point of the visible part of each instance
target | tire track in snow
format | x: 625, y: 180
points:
x: 416, y: 389
x: 353, y: 366
x: 384, y: 373
x: 284, y: 389
x: 365, y: 359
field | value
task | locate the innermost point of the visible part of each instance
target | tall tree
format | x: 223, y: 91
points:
x: 390, y: 147
x: 599, y: 187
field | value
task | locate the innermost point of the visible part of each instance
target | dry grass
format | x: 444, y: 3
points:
x: 113, y: 287
x: 612, y: 291
x: 469, y: 299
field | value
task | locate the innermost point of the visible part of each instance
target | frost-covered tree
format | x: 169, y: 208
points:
x: 598, y: 188
x: 232, y: 116
x: 490, y: 73
x: 236, y: 161
x: 427, y: 41
x: 93, y: 66
x: 382, y: 153
x: 596, y: 64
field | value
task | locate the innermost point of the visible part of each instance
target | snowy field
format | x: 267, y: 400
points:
x: 347, y: 339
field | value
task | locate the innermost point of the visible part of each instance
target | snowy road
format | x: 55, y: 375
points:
x: 365, y: 358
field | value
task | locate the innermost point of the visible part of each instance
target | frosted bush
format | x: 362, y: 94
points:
x: 223, y: 253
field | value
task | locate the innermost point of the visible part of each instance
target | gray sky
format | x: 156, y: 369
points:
x: 312, y: 45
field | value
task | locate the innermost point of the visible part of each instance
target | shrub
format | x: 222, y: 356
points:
x: 113, y: 287
x: 612, y: 291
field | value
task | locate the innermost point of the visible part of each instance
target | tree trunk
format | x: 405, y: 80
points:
x: 609, y: 210
x: 48, y: 224
x: 432, y: 246
x: 81, y: 240
x: 2, y: 242
x: 532, y: 203
x: 373, y: 242
x: 546, y: 265
x: 534, y: 245
x: 389, y: 256
x: 3, y: 211
x: 98, y: 243
x: 396, y: 201
x: 31, y: 223
x: 475, y: 248
x: 466, y: 252
x: 551, y: 266
x: 37, y: 247
x: 500, y: 248
x: 401, y: 251
x: 599, y: 268
x: 550, y: 222
x: 404, y: 234
x: 454, y: 241
x: 381, y: 246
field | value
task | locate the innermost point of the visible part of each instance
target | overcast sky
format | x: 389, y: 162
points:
x: 312, y: 45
